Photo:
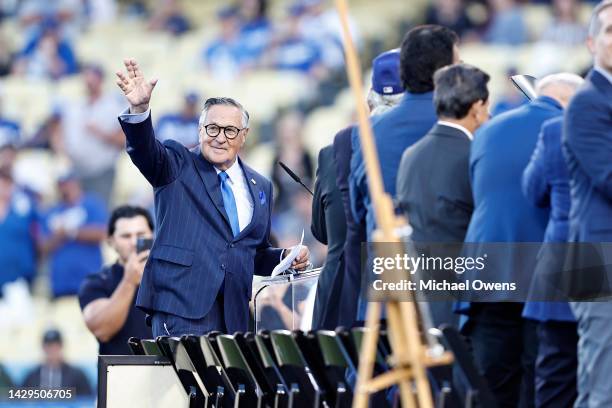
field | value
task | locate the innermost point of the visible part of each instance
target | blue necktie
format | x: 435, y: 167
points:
x: 229, y: 202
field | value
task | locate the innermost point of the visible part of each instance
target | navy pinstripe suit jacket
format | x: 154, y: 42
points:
x: 195, y: 249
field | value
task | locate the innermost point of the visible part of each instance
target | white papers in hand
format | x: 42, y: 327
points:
x: 286, y: 262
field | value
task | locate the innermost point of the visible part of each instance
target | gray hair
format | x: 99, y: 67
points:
x: 567, y: 79
x: 224, y: 101
x: 595, y: 24
x: 381, y: 103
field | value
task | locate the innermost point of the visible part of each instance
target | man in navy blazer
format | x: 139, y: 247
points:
x: 504, y: 344
x: 213, y: 217
x: 587, y: 143
x: 546, y: 184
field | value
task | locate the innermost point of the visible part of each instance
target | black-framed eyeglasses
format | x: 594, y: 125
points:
x: 230, y: 132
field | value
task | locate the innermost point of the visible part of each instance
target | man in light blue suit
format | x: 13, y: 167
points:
x: 504, y: 343
x: 213, y: 217
x: 587, y: 143
x: 546, y: 184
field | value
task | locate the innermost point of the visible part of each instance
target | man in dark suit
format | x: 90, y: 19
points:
x: 328, y: 227
x: 342, y: 284
x: 213, y: 214
x: 499, y: 154
x: 587, y: 143
x: 424, y: 49
x: 433, y: 185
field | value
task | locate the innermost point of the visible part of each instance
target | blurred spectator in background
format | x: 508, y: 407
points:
x: 108, y: 298
x: 92, y: 136
x: 290, y: 150
x: 54, y: 372
x: 8, y: 156
x: 10, y: 131
x: 226, y: 55
x: 507, y: 25
x: 181, y: 126
x: 72, y: 232
x: 5, y: 381
x: 511, y: 97
x: 18, y: 225
x: 100, y: 11
x: 6, y: 56
x: 321, y: 24
x: 49, y: 136
x: 255, y: 30
x: 291, y: 50
x: 34, y: 14
x: 566, y: 28
x: 169, y: 17
x: 452, y: 14
x: 47, y: 56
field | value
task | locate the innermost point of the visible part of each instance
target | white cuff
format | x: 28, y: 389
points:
x: 133, y: 118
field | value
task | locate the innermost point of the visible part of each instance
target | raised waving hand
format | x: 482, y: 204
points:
x: 135, y: 87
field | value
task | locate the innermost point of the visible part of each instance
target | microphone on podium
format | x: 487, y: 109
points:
x: 294, y: 176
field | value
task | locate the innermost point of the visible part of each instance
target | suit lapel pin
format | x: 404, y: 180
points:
x: 253, y: 181
x: 262, y: 198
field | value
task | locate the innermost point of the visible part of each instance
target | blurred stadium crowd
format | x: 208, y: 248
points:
x: 62, y: 161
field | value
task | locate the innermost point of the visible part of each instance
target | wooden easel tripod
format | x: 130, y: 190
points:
x: 410, y: 354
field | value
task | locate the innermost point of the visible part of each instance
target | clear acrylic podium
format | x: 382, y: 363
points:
x: 285, y: 301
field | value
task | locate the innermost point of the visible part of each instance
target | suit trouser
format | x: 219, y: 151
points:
x: 166, y: 324
x: 504, y: 347
x: 556, y: 364
x: 594, y: 354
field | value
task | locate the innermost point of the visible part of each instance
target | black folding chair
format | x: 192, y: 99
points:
x: 135, y: 346
x: 168, y: 347
x: 239, y: 372
x: 210, y: 370
x: 150, y: 347
x: 336, y: 365
x: 295, y: 370
x: 272, y: 386
x: 287, y: 392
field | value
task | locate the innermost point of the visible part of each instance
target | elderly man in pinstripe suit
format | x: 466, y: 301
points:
x: 213, y: 214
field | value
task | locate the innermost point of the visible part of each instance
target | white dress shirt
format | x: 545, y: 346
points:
x: 457, y: 126
x: 236, y: 179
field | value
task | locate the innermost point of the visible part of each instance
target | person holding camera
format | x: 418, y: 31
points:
x: 108, y: 298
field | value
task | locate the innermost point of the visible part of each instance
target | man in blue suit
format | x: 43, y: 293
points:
x: 546, y: 184
x: 504, y: 343
x: 587, y: 143
x: 424, y: 49
x: 213, y: 217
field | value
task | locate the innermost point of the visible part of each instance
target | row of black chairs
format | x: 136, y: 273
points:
x: 283, y: 368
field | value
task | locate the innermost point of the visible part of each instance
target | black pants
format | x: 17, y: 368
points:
x: 505, y: 348
x: 556, y: 365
